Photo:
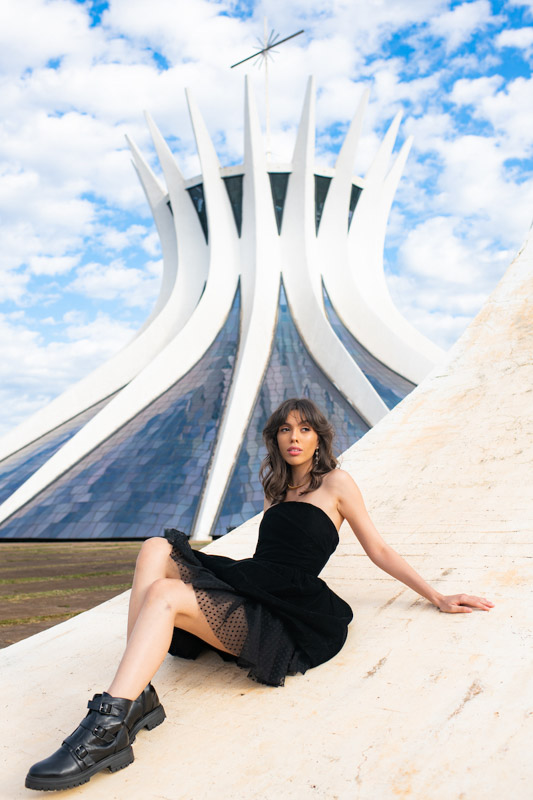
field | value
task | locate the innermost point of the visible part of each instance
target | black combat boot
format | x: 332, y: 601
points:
x: 100, y: 741
x: 145, y: 712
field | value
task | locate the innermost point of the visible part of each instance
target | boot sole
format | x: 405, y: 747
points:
x: 113, y: 763
x: 150, y: 721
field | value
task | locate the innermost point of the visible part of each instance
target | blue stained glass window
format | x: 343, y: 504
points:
x: 321, y: 189
x: 17, y: 468
x: 196, y: 194
x: 291, y: 373
x: 279, y: 182
x: 234, y: 188
x: 354, y: 198
x: 390, y: 386
x: 150, y: 473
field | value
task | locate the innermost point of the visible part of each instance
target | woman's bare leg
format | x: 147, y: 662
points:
x: 168, y: 603
x: 153, y: 562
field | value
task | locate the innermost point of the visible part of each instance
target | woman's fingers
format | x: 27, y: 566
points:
x: 456, y: 609
x: 464, y: 603
x: 477, y: 602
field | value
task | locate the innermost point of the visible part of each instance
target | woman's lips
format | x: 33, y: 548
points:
x: 294, y: 451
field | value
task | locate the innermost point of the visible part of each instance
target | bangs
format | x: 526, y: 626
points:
x: 308, y: 413
x: 302, y: 420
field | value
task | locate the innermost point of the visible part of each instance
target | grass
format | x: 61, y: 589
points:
x: 36, y: 619
x: 19, y: 596
x: 71, y: 578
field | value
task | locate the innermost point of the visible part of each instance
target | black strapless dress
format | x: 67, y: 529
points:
x: 271, y: 611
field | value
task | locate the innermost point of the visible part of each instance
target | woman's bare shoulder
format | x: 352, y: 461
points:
x: 339, y: 481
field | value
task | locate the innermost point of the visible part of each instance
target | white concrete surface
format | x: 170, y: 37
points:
x: 418, y: 704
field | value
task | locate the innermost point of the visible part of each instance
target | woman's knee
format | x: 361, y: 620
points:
x: 152, y: 550
x: 161, y: 592
x: 171, y: 593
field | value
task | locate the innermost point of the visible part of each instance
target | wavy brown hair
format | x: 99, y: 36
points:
x: 275, y: 473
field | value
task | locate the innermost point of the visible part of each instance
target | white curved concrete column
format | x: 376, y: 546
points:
x: 356, y: 312
x: 334, y: 258
x: 334, y: 220
x: 260, y: 259
x: 301, y: 277
x: 192, y: 250
x: 157, y: 200
x: 223, y: 239
x: 402, y: 348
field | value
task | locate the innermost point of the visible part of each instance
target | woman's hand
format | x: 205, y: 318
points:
x: 351, y: 507
x: 462, y: 603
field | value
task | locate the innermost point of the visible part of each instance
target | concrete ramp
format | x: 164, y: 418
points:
x: 418, y: 704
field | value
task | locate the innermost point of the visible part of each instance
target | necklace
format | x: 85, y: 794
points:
x: 298, y: 486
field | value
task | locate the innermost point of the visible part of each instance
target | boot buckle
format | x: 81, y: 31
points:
x: 81, y: 752
x: 105, y: 708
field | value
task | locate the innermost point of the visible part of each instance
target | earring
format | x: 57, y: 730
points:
x: 316, y: 457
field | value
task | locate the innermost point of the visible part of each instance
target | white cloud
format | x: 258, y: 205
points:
x: 33, y: 32
x: 12, y: 286
x: 439, y: 310
x: 472, y: 92
x: 475, y: 183
x: 74, y: 317
x: 521, y: 3
x: 76, y: 154
x: 133, y: 236
x: 39, y: 218
x: 510, y: 112
x: 366, y: 24
x: 458, y: 25
x: 151, y: 244
x: 508, y: 108
x: 521, y: 38
x: 33, y: 371
x: 103, y: 333
x: 115, y: 280
x: 433, y: 250
x: 52, y: 265
x: 155, y: 267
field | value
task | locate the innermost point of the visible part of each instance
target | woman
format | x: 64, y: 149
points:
x: 271, y: 613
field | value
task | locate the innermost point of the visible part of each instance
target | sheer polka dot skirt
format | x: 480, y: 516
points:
x: 255, y: 637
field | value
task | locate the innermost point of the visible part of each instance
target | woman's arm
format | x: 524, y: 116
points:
x: 351, y: 506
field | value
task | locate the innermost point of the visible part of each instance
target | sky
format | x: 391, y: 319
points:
x: 80, y: 262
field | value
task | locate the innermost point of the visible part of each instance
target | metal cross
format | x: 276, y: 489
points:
x: 264, y: 52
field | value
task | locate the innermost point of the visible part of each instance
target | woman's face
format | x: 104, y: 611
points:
x: 297, y: 441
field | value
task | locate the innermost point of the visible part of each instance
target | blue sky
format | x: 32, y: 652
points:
x: 80, y: 262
